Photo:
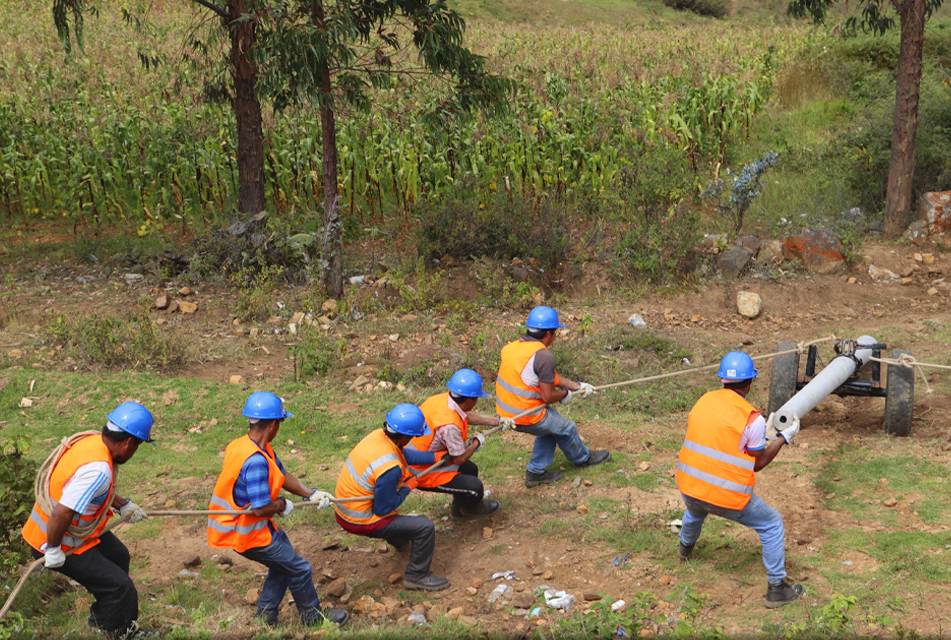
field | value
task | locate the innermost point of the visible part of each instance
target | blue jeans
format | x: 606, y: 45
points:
x: 286, y: 570
x: 554, y: 429
x: 757, y: 515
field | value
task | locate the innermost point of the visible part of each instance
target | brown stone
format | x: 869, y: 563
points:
x: 486, y: 533
x: 592, y: 595
x: 819, y: 251
x: 477, y: 583
x: 394, y: 578
x: 187, y: 307
x: 454, y: 613
x: 891, y: 502
x: 664, y: 580
x: 252, y: 596
x: 582, y: 509
x: 523, y: 600
x: 548, y: 575
x: 192, y: 562
x: 236, y: 379
x: 337, y: 588
x: 185, y: 291
x: 363, y: 605
x: 161, y: 302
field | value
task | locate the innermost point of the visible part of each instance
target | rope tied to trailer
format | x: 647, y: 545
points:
x: 909, y: 362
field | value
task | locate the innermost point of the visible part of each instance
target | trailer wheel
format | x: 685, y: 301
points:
x: 783, y: 376
x: 899, y: 396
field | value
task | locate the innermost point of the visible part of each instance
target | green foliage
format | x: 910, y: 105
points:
x: 256, y: 285
x: 17, y: 474
x: 315, y: 352
x: 507, y: 226
x: 711, y: 8
x: 131, y: 341
x: 497, y: 290
x: 601, y: 621
x: 871, y: 146
x: 424, y: 293
x: 631, y: 339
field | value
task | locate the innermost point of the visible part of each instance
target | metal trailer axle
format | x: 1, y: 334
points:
x: 838, y: 371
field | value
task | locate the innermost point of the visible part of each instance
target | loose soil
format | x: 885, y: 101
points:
x: 795, y: 308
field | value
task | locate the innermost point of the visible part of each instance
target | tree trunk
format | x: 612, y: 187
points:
x: 902, y: 165
x: 332, y: 247
x: 247, y: 112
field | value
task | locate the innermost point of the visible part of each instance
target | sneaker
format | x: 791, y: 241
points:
x: 480, y: 510
x: 548, y: 477
x: 431, y: 582
x: 596, y: 457
x: 684, y: 552
x: 782, y: 594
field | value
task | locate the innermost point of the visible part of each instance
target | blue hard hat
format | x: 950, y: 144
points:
x: 408, y: 420
x: 543, y: 318
x: 467, y: 383
x: 134, y: 419
x: 264, y: 405
x: 736, y: 366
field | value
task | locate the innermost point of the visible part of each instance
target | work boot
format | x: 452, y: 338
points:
x: 535, y: 479
x: 316, y: 617
x: 483, y: 508
x: 684, y: 552
x: 596, y: 457
x: 431, y: 582
x: 133, y: 632
x: 267, y: 616
x: 782, y: 594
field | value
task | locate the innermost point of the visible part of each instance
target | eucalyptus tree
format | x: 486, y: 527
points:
x: 878, y: 16
x: 332, y: 53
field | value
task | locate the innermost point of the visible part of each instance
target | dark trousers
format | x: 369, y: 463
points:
x: 104, y: 572
x: 286, y: 570
x: 465, y: 487
x: 421, y: 532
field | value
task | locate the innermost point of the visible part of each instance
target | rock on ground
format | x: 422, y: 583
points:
x: 818, y: 250
x: 749, y: 304
x: 734, y: 260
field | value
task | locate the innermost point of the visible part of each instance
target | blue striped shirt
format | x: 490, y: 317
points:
x: 252, y: 489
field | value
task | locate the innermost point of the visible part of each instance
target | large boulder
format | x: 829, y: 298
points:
x: 734, y: 260
x: 820, y: 251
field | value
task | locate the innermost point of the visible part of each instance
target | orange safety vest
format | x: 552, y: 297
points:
x: 89, y: 449
x: 512, y: 395
x: 372, y: 457
x: 711, y: 467
x: 439, y: 413
x: 245, y: 531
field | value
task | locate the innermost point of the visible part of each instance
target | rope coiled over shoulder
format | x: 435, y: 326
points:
x: 41, y: 486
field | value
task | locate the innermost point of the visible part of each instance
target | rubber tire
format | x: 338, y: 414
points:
x: 783, y: 376
x: 899, y: 396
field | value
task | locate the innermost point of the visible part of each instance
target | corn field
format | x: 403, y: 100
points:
x: 96, y: 139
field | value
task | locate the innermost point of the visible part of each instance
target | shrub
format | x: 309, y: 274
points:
x: 745, y: 187
x: 255, y: 285
x: 129, y: 342
x: 506, y: 227
x: 710, y: 8
x: 16, y: 500
x: 315, y: 352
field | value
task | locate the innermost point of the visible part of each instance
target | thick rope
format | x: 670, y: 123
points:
x: 41, y: 486
x: 908, y: 361
x: 800, y: 349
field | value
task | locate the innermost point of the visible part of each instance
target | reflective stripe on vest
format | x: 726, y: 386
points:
x: 372, y: 457
x: 84, y: 451
x: 440, y: 411
x: 512, y: 395
x: 711, y: 467
x: 246, y: 531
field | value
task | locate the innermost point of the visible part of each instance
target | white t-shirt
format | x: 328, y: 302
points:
x: 88, y: 489
x: 754, y: 435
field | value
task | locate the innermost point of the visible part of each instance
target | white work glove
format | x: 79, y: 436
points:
x: 322, y: 498
x: 567, y: 398
x: 507, y: 423
x: 54, y: 557
x: 480, y: 437
x: 586, y: 389
x: 288, y: 507
x: 790, y: 431
x: 138, y: 513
